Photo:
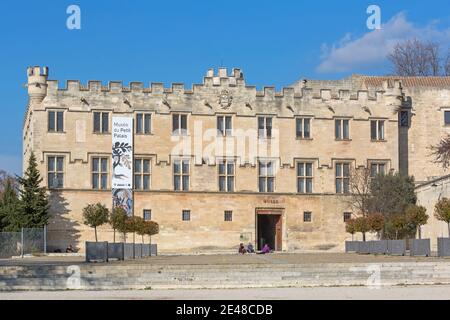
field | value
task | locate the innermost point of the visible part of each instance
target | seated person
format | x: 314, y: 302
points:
x: 242, y: 249
x: 70, y: 249
x: 265, y: 249
x: 250, y: 248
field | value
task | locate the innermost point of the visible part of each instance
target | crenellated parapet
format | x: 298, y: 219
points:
x: 220, y: 91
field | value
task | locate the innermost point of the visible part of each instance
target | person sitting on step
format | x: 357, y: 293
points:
x: 70, y: 249
x: 265, y: 249
x: 250, y: 248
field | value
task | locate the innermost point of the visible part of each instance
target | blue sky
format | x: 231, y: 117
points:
x: 274, y: 42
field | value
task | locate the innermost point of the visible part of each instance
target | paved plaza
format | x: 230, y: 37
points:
x: 435, y: 292
x: 230, y: 259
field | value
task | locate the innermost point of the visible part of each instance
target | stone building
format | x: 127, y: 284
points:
x: 428, y: 194
x: 222, y: 163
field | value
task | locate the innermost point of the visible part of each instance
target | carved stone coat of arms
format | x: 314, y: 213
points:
x: 225, y: 99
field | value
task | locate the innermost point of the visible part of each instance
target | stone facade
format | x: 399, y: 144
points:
x: 428, y: 194
x: 356, y: 99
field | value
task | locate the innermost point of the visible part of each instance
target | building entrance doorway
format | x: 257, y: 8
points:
x: 269, y: 229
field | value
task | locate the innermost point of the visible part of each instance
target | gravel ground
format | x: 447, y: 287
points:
x: 347, y: 293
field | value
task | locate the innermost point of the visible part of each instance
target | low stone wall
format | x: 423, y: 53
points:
x: 119, y: 276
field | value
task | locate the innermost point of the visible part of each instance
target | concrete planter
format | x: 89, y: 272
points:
x: 145, y: 250
x: 116, y: 251
x: 420, y: 247
x: 397, y: 247
x: 96, y: 251
x: 378, y: 247
x: 351, y: 246
x: 153, y: 249
x: 128, y: 251
x: 137, y: 250
x: 443, y: 247
x: 364, y: 247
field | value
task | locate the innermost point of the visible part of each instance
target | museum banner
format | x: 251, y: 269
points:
x: 122, y: 163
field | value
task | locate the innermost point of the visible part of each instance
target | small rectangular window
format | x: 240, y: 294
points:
x: 143, y: 123
x: 447, y: 117
x: 303, y: 128
x: 307, y: 216
x: 377, y: 168
x: 139, y: 123
x: 347, y: 216
x: 304, y: 177
x: 55, y: 172
x: 266, y: 176
x: 377, y: 130
x: 101, y: 122
x: 99, y: 173
x: 342, y: 177
x: 105, y: 122
x: 97, y: 126
x: 346, y: 132
x: 224, y: 125
x: 264, y: 127
x: 228, y: 216
x: 179, y: 124
x: 51, y: 121
x: 342, y: 129
x: 147, y: 123
x: 186, y: 215
x: 60, y: 121
x: 147, y: 215
x: 226, y: 176
x: 55, y: 121
x: 181, y: 175
x: 142, y: 172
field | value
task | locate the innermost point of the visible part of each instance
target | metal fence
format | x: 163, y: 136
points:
x: 29, y: 241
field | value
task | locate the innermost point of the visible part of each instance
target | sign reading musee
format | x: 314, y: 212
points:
x: 122, y: 153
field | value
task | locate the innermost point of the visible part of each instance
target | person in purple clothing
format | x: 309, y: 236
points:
x: 265, y: 249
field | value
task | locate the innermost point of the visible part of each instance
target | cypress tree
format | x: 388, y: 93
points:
x: 34, y: 203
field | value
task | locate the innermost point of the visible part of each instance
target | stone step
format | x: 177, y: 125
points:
x: 218, y: 274
x: 116, y: 276
x: 131, y: 270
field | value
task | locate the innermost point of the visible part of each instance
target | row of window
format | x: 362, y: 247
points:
x: 226, y: 174
x: 308, y: 216
x: 224, y: 125
x: 228, y: 215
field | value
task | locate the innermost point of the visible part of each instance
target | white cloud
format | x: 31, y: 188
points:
x: 371, y: 49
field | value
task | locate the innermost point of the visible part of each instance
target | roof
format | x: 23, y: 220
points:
x: 376, y: 81
x: 433, y: 181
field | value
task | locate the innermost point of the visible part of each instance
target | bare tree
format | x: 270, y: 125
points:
x: 4, y: 178
x: 447, y: 64
x: 359, y: 187
x: 416, y: 58
x: 441, y: 152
